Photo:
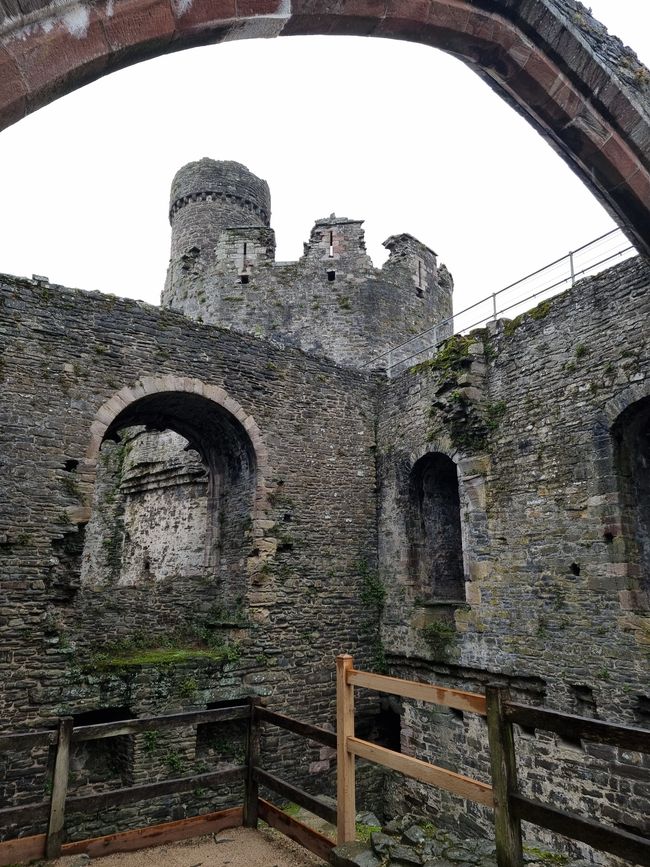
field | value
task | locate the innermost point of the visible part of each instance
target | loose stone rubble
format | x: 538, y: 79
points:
x: 414, y: 841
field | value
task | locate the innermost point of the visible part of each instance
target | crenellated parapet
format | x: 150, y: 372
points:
x: 332, y: 301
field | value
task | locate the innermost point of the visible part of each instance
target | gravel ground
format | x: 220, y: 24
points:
x: 238, y: 847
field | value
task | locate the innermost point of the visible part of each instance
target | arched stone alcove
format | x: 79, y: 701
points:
x: 434, y: 529
x: 179, y: 489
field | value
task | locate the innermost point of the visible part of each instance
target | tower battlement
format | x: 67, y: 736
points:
x: 332, y: 301
x: 228, y: 183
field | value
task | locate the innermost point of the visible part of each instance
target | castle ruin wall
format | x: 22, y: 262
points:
x: 555, y: 603
x: 75, y: 642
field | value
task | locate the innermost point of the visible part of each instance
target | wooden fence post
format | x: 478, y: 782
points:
x: 345, y: 788
x: 504, y: 778
x: 252, y: 760
x: 54, y: 837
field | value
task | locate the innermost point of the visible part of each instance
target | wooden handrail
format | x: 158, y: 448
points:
x: 612, y: 840
x: 307, y: 837
x: 466, y: 701
x: 510, y: 807
x: 132, y: 794
x: 115, y: 797
x: 16, y: 741
x: 143, y: 724
x: 67, y: 735
x: 24, y: 849
x: 24, y: 813
x: 26, y: 740
x: 466, y: 787
x: 295, y: 794
x: 569, y: 725
x: 314, y: 733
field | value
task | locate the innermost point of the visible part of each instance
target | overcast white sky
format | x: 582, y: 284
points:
x: 397, y: 134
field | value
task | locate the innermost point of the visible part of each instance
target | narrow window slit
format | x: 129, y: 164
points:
x: 419, y: 291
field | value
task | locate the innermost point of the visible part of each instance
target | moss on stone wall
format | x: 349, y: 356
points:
x: 164, y: 656
x: 452, y: 357
x: 439, y: 637
x: 540, y: 312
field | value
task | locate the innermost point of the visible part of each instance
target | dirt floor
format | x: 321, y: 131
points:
x: 238, y: 847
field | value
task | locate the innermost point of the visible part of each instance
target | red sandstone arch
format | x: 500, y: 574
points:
x: 544, y: 61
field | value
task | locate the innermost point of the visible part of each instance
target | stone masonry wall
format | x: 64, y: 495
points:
x: 545, y: 419
x: 554, y: 600
x: 337, y: 306
x: 147, y: 646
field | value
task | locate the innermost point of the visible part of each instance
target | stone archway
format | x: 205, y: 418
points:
x: 549, y: 59
x: 178, y: 472
x: 125, y: 407
x: 116, y: 411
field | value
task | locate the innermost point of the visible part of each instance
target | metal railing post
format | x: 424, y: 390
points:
x: 505, y: 305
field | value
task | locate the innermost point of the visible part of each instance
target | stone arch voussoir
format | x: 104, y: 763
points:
x: 617, y: 405
x: 439, y: 446
x: 150, y: 385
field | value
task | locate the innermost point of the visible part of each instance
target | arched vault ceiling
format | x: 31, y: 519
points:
x: 550, y: 59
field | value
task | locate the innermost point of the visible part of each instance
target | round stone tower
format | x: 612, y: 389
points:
x: 210, y: 195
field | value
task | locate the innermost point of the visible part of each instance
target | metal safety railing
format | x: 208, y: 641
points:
x: 512, y: 300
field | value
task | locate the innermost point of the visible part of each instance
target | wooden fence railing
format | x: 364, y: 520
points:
x: 312, y: 840
x: 510, y: 807
x: 51, y: 845
x: 613, y: 840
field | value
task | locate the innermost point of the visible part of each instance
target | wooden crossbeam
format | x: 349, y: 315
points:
x: 467, y: 701
x: 29, y: 848
x: 295, y: 794
x: 314, y: 733
x: 571, y: 726
x: 143, y: 724
x: 466, y: 787
x: 307, y: 837
x: 617, y: 842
